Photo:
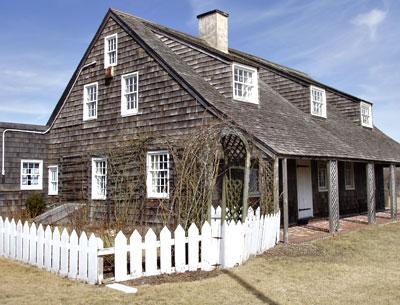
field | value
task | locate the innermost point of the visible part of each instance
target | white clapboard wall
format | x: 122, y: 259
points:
x: 66, y: 254
x: 213, y: 245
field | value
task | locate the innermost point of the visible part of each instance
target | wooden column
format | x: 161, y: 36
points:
x: 246, y: 182
x: 333, y: 188
x: 276, y: 185
x: 371, y: 203
x: 285, y: 202
x: 393, y: 193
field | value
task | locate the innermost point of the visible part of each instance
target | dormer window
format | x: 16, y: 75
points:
x: 318, y: 101
x: 110, y: 51
x: 245, y: 84
x: 366, y: 114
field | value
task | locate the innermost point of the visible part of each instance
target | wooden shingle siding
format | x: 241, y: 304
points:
x: 214, y: 71
x: 165, y: 109
x: 346, y: 107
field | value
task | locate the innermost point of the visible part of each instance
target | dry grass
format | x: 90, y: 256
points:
x: 353, y: 268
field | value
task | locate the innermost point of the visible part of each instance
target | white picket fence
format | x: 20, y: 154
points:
x: 219, y: 244
x: 65, y: 254
x: 224, y: 245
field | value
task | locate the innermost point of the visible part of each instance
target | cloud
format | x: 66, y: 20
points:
x: 370, y: 20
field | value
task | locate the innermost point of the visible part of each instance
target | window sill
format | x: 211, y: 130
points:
x: 35, y: 188
x: 238, y: 99
x: 318, y: 116
x: 322, y: 190
x: 128, y: 114
x: 158, y: 196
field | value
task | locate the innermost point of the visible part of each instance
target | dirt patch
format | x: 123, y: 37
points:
x: 295, y: 250
x: 174, y: 278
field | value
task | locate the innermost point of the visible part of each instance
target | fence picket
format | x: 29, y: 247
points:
x: 48, y: 236
x: 165, y: 251
x: 136, y: 251
x: 25, y: 242
x: 207, y: 253
x: 180, y: 249
x: 32, y: 244
x: 55, y: 264
x: 121, y: 257
x: 64, y: 252
x: 1, y: 236
x: 13, y: 229
x: 150, y: 244
x: 40, y: 246
x: 73, y: 255
x: 83, y: 257
x: 193, y: 245
x: 19, y: 240
x: 93, y: 262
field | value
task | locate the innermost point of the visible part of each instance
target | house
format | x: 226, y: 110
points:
x: 320, y: 153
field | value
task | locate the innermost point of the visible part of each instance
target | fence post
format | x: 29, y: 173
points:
x: 92, y: 260
x: 121, y: 257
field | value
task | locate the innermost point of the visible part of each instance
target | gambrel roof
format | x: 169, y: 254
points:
x: 275, y: 123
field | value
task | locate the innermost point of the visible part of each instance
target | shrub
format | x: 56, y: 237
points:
x: 35, y: 204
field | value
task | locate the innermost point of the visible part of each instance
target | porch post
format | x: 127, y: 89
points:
x: 371, y: 193
x: 246, y: 185
x: 393, y: 193
x: 276, y: 185
x: 285, y: 202
x: 333, y: 190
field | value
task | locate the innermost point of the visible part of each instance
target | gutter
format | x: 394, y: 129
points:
x: 3, y: 171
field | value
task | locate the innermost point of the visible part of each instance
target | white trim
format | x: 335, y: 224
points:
x: 50, y: 189
x: 94, y: 191
x: 85, y: 109
x: 323, y: 114
x: 254, y: 98
x: 39, y: 186
x: 124, y: 110
x: 349, y: 186
x: 150, y: 193
x: 106, y: 58
x: 369, y: 106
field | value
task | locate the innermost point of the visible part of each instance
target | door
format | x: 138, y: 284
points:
x: 304, y: 189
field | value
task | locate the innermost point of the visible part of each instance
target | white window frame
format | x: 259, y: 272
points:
x: 107, y: 52
x: 323, y: 165
x: 254, y: 98
x: 124, y: 103
x: 51, y: 191
x: 86, y: 116
x: 323, y: 106
x: 369, y: 107
x: 96, y: 195
x: 349, y: 185
x: 149, y: 180
x: 39, y: 186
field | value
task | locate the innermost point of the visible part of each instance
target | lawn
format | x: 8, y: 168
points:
x: 354, y: 268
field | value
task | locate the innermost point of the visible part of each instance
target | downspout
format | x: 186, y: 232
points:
x: 3, y: 171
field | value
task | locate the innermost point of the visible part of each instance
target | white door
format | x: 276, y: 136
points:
x: 304, y: 189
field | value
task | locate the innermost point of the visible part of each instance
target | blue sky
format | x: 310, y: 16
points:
x: 351, y: 45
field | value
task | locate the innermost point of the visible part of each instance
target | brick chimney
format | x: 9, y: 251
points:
x: 213, y: 28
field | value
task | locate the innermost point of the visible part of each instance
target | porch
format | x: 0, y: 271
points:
x: 319, y: 228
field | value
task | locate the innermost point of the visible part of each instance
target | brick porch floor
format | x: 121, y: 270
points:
x: 319, y: 228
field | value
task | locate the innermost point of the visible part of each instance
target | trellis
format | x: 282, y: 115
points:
x: 266, y: 174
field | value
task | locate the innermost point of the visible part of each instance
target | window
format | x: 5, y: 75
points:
x: 99, y: 178
x: 322, y: 177
x: 366, y: 114
x: 318, y: 101
x: 31, y: 174
x: 110, y: 51
x: 349, y: 175
x: 90, y: 101
x: 53, y: 180
x: 254, y: 189
x: 245, y: 84
x: 129, y: 94
x: 158, y: 174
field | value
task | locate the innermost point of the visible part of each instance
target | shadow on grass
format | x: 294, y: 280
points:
x: 254, y: 291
